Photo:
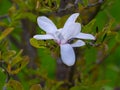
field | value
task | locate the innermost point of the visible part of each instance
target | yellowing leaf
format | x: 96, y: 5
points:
x: 8, y: 55
x: 3, y: 24
x: 6, y: 32
x: 15, y: 85
x: 16, y: 58
x: 20, y: 65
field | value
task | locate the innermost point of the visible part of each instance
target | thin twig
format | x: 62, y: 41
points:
x: 100, y: 61
x: 97, y: 3
x: 7, y: 74
x: 5, y: 16
x: 108, y: 54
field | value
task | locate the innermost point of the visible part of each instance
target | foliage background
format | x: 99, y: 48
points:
x: 24, y: 67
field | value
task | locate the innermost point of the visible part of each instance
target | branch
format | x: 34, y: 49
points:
x: 7, y: 74
x: 5, y: 16
x: 108, y: 54
x: 100, y: 61
x: 27, y: 33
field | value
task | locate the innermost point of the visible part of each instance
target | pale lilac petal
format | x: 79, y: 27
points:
x: 46, y: 24
x: 78, y: 43
x: 71, y: 19
x: 43, y: 37
x: 67, y: 54
x: 85, y: 36
x: 71, y: 30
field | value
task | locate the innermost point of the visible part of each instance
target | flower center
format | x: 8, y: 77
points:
x: 59, y: 37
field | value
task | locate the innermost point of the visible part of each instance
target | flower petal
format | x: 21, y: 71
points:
x: 43, y: 37
x: 71, y: 30
x: 46, y: 24
x: 78, y: 43
x: 67, y: 54
x: 71, y: 19
x: 85, y: 36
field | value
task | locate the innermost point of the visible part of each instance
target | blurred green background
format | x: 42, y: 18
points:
x: 93, y: 76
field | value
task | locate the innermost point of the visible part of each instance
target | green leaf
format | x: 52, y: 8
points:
x: 106, y: 32
x: 80, y: 88
x: 57, y: 86
x: 16, y: 58
x: 4, y: 6
x: 37, y: 43
x: 22, y: 4
x: 6, y: 32
x: 15, y: 85
x: 0, y: 56
x: 107, y: 88
x: 24, y: 15
x: 36, y: 87
x: 3, y: 24
x: 19, y: 65
x: 117, y: 37
x: 89, y: 26
x: 8, y: 55
x: 24, y: 62
x: 3, y: 45
x: 90, y: 86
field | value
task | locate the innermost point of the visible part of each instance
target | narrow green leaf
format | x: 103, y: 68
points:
x: 89, y: 26
x: 0, y: 56
x: 24, y: 62
x: 57, y: 86
x: 16, y: 58
x: 106, y: 32
x: 24, y: 15
x: 20, y: 65
x: 8, y: 55
x: 6, y: 32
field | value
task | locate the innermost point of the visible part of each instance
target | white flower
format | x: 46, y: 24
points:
x: 61, y: 36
